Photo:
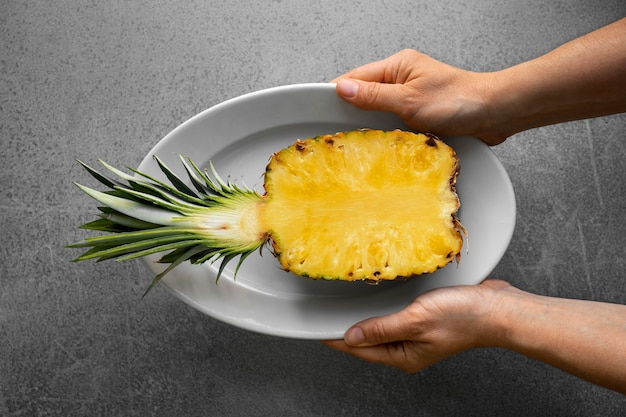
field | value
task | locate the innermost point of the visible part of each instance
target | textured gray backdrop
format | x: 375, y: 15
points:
x: 109, y: 79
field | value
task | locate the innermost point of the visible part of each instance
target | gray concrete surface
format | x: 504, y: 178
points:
x: 109, y: 79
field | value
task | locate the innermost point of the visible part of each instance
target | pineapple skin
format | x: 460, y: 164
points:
x: 363, y: 205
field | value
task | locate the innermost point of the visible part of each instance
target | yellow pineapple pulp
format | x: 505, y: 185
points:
x: 363, y: 205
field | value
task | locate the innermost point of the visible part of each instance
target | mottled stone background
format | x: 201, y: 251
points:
x: 86, y: 80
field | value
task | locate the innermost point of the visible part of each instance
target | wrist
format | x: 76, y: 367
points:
x: 498, y: 109
x: 493, y: 309
x: 532, y: 324
x: 509, y: 308
x: 505, y: 104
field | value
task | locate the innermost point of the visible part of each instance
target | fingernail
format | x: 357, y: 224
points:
x: 354, y: 336
x: 347, y: 88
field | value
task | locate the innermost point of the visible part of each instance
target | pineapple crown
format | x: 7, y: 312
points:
x: 143, y: 215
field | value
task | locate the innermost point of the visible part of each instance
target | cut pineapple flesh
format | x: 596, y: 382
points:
x: 363, y: 205
x: 360, y: 205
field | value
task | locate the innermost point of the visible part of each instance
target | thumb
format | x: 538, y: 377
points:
x: 379, y: 330
x: 371, y: 95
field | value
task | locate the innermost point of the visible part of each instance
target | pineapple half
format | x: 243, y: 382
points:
x: 359, y: 205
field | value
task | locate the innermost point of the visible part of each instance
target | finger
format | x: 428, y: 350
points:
x: 380, y: 330
x: 374, y: 71
x: 374, y: 354
x: 394, y: 69
x: 393, y: 354
x: 337, y: 344
x: 373, y: 95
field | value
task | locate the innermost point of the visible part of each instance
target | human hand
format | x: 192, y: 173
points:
x: 438, y: 324
x: 428, y: 95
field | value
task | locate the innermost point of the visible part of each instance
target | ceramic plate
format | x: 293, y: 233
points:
x: 239, y: 136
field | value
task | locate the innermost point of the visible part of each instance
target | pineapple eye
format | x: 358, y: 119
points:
x: 300, y: 146
x: 431, y: 142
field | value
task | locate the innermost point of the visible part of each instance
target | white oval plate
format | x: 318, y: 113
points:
x: 239, y: 136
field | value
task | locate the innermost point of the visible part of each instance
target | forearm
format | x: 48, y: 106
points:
x: 581, y: 79
x: 584, y: 338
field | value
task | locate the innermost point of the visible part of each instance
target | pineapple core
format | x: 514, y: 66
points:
x: 364, y: 204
